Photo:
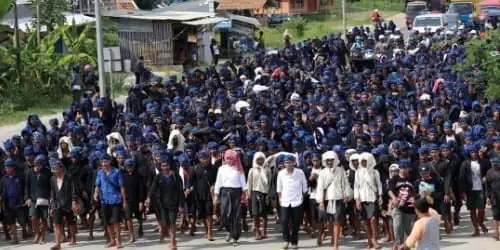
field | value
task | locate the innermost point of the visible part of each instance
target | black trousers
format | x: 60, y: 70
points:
x: 231, y: 211
x: 290, y: 223
x: 137, y: 77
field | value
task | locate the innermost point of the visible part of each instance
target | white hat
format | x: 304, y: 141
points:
x: 218, y: 111
x: 473, y: 32
x: 295, y: 97
x: 241, y: 104
x: 463, y: 114
x: 381, y: 37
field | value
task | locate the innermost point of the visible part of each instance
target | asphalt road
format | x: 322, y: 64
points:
x: 460, y: 239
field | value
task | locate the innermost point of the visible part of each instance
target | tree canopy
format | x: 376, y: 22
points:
x: 484, y: 55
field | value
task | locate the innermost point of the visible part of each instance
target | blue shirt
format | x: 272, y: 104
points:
x: 109, y: 186
x: 12, y: 191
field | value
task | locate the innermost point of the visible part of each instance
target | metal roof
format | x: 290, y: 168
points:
x: 241, y: 4
x: 26, y: 23
x: 204, y: 21
x: 193, y: 5
x: 162, y: 15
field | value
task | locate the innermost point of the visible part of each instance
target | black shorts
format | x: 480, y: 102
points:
x: 205, y: 209
x: 258, y: 204
x: 41, y: 212
x: 476, y: 200
x: 132, y: 211
x: 442, y: 207
x: 495, y: 210
x: 339, y: 214
x: 190, y: 206
x: 368, y: 210
x: 60, y: 215
x: 313, y: 208
x: 13, y: 215
x: 168, y: 216
x: 110, y: 213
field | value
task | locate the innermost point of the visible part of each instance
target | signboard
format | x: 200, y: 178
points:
x: 112, y: 59
x: 224, y: 25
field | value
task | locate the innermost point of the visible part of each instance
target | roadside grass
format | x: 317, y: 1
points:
x: 117, y: 85
x: 316, y: 25
x: 11, y: 117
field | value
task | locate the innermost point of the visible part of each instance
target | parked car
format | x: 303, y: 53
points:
x: 429, y: 22
x: 414, y: 9
x: 274, y: 19
x: 486, y: 12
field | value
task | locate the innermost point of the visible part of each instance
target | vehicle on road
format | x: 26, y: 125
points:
x: 274, y: 19
x: 489, y: 15
x: 414, y: 9
x: 429, y: 23
x: 465, y: 10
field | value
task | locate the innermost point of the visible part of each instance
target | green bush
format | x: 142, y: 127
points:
x: 43, y: 75
x: 297, y: 26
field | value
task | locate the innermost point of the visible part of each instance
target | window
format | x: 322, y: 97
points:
x: 298, y: 4
x: 324, y: 2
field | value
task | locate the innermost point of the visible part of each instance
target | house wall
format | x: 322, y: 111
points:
x: 151, y: 39
x: 299, y: 6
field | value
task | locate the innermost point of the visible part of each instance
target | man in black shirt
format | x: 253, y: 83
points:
x: 402, y: 193
x: 135, y: 189
x: 63, y: 199
x: 205, y: 175
x: 493, y: 187
x: 37, y: 195
x: 168, y: 185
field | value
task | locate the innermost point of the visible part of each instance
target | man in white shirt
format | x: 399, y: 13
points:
x: 472, y: 173
x: 332, y: 193
x: 291, y: 187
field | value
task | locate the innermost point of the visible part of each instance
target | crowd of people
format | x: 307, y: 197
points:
x: 293, y: 134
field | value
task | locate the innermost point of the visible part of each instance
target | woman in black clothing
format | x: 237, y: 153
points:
x: 135, y: 189
x: 169, y: 185
x: 204, y: 181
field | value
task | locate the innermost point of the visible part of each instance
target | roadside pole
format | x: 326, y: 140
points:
x: 100, y: 59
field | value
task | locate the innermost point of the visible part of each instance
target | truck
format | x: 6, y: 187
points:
x: 465, y: 10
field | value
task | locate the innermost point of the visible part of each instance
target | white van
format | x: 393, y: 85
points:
x: 425, y: 22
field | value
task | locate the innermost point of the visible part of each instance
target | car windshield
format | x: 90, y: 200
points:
x: 427, y: 22
x: 416, y: 10
x: 461, y: 8
x: 490, y: 8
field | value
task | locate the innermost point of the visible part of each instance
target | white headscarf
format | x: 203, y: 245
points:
x: 328, y: 156
x: 66, y: 140
x: 180, y: 140
x: 367, y: 173
x: 117, y: 136
x: 257, y: 156
x: 353, y: 157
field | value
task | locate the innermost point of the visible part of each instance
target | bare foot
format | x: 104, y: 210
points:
x: 285, y: 246
x: 56, y: 247
x: 111, y: 244
x: 132, y: 240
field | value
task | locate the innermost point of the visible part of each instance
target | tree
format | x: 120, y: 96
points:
x: 485, y: 54
x: 45, y: 72
x: 4, y: 7
x: 51, y: 12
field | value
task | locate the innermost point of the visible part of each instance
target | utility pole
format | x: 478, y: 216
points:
x: 38, y: 39
x: 344, y: 24
x: 16, y: 43
x: 100, y: 58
